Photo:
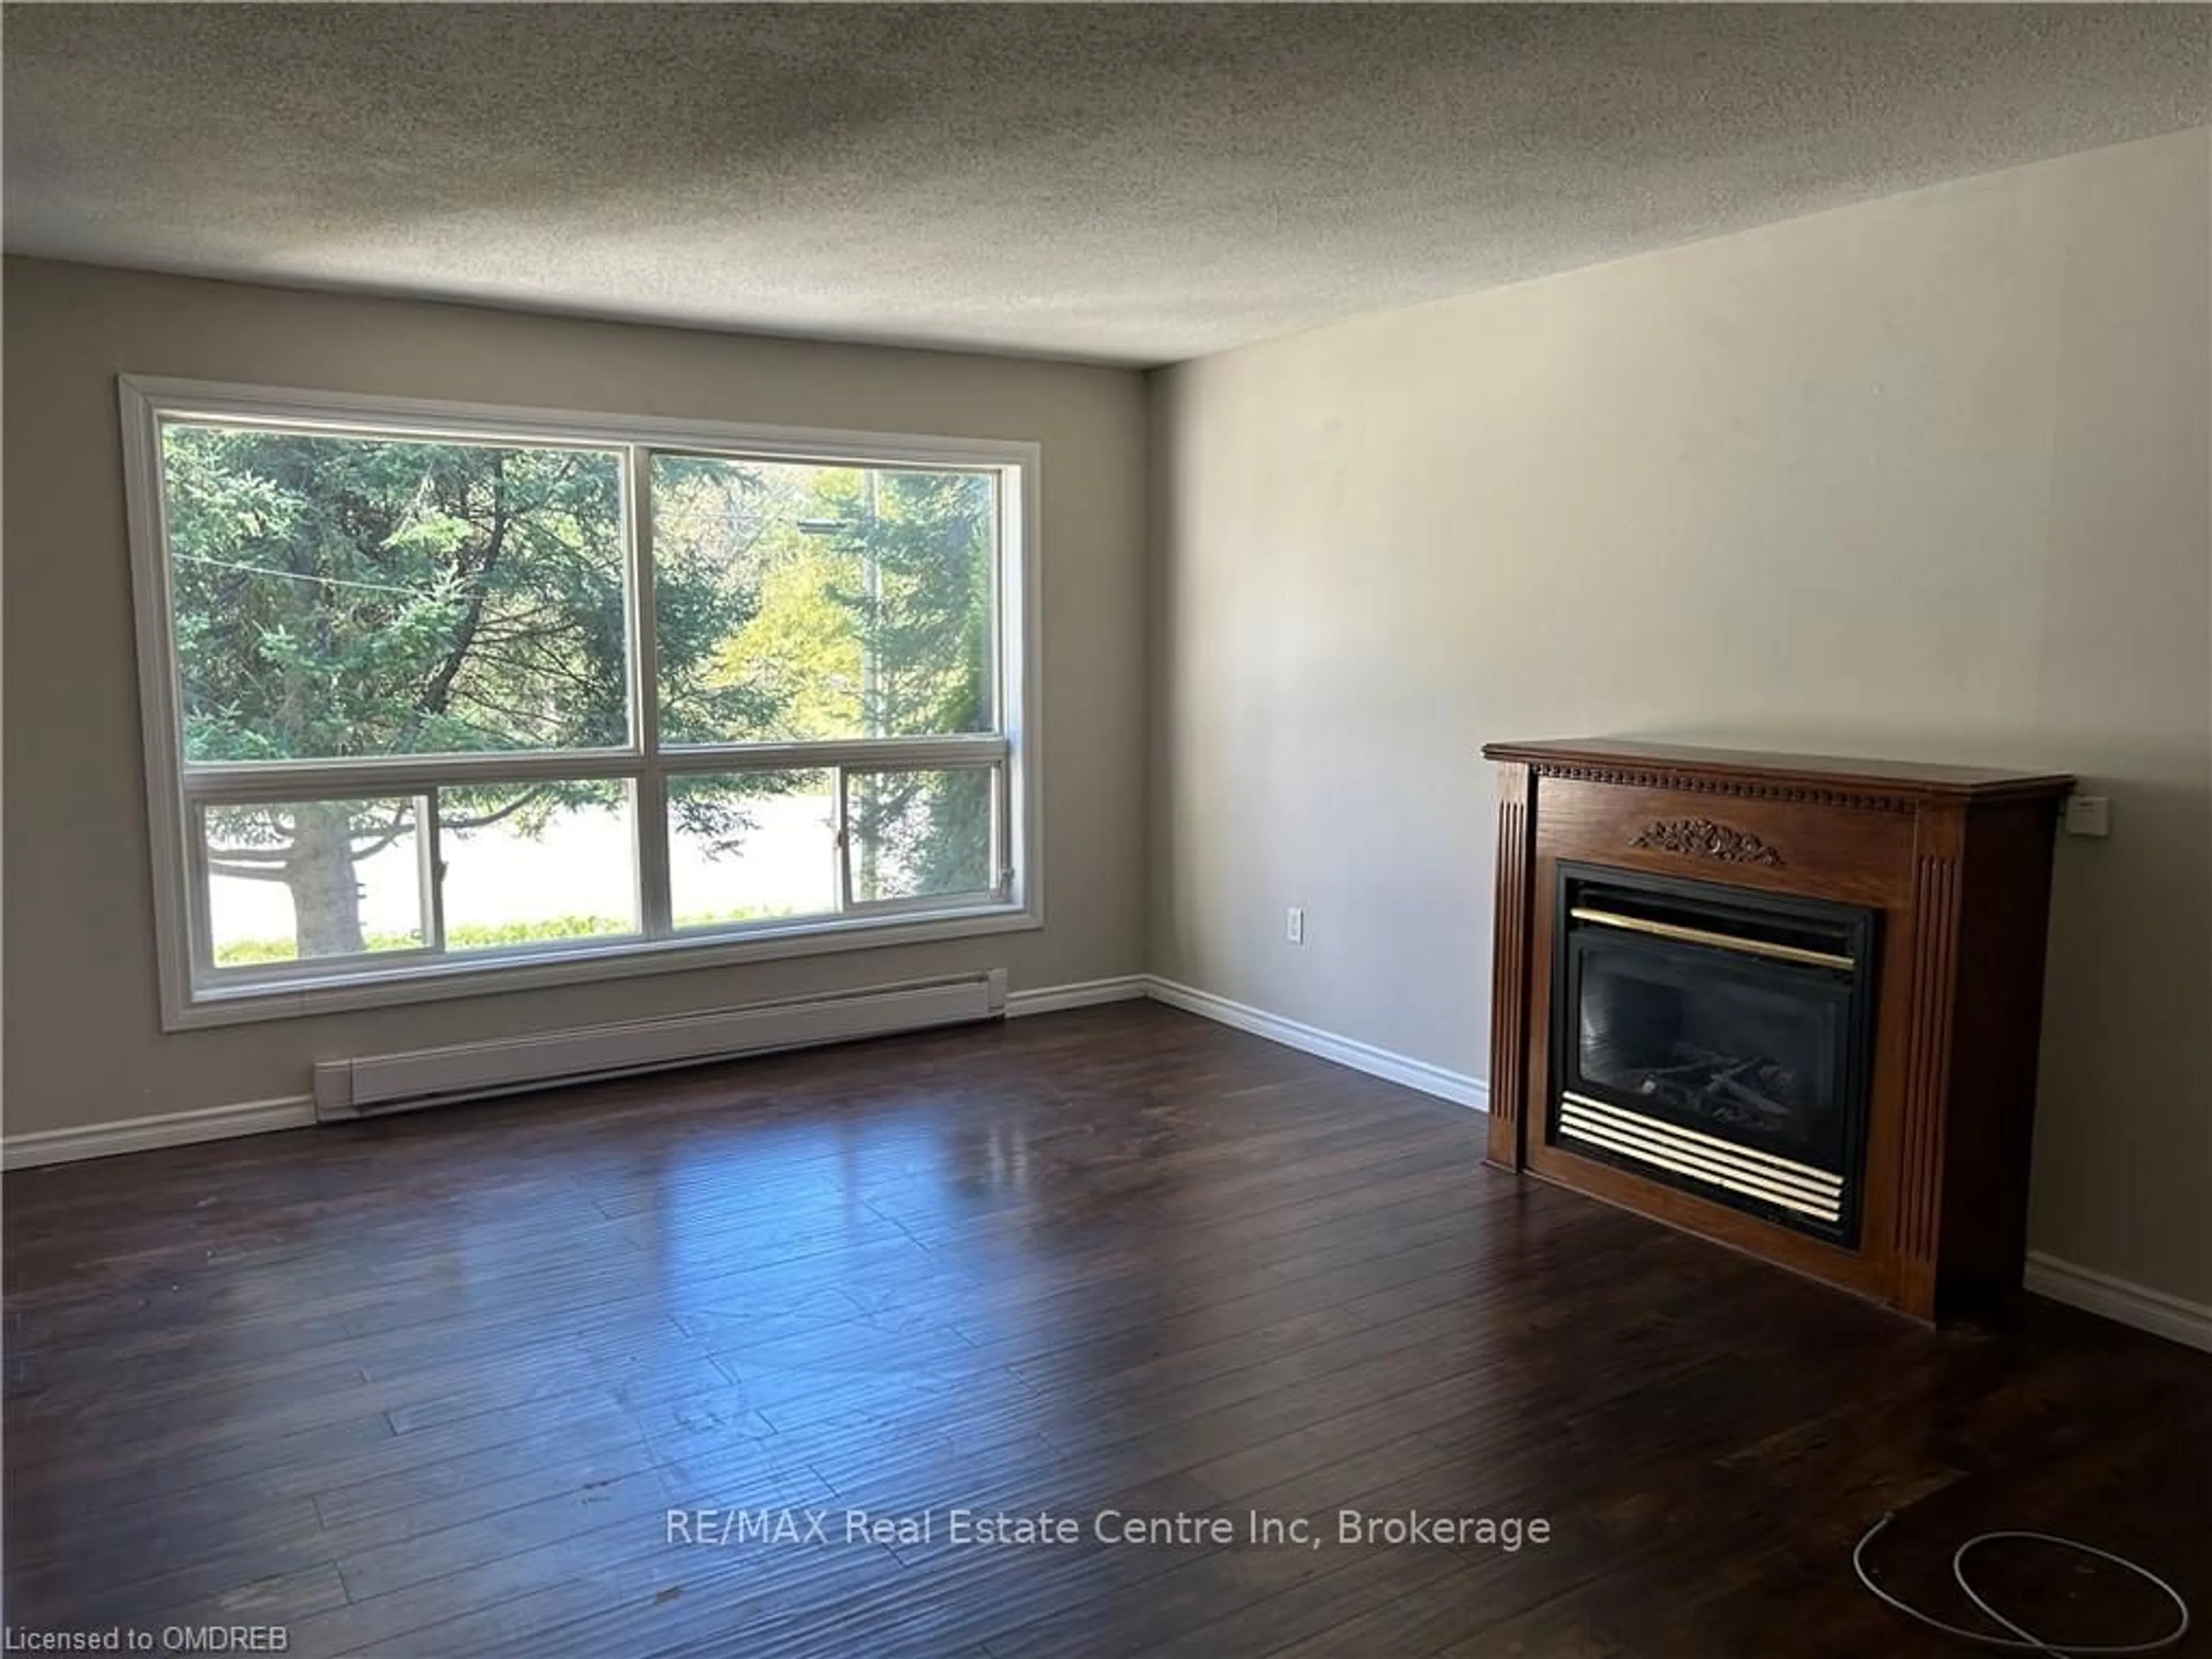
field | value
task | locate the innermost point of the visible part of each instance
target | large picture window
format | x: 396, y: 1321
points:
x: 440, y: 698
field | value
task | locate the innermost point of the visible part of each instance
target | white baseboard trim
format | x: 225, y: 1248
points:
x: 2159, y: 1312
x: 1455, y: 1086
x: 1051, y: 999
x: 140, y: 1134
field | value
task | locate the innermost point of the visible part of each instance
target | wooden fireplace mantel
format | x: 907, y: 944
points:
x: 1955, y: 861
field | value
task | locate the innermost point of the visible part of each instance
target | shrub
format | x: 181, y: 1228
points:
x: 467, y: 936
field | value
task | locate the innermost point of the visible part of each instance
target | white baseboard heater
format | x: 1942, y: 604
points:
x: 372, y: 1085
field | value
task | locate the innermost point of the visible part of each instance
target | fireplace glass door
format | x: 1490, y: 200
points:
x: 1716, y: 1039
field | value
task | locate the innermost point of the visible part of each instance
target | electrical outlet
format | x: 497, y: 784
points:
x: 2089, y: 815
x: 1294, y: 925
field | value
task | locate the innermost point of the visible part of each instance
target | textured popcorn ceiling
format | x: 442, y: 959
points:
x: 1127, y: 184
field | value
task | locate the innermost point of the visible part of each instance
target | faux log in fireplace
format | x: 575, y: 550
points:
x: 1785, y: 1002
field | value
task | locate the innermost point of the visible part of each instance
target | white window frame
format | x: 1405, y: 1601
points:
x: 194, y: 994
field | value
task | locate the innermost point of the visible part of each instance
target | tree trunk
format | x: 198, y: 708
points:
x: 326, y: 891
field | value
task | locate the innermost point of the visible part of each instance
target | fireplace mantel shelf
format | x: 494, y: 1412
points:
x: 1909, y: 780
x: 1951, y: 863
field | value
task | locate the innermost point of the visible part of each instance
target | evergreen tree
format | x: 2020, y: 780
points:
x: 916, y: 578
x: 340, y: 597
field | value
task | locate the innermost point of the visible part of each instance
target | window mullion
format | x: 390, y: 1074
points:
x: 1002, y: 864
x: 651, y: 796
x: 400, y: 774
x: 430, y: 873
x: 653, y: 905
x: 199, y: 920
x: 867, y: 754
x: 841, y: 779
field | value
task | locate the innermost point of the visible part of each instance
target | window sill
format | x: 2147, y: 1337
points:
x: 240, y: 1005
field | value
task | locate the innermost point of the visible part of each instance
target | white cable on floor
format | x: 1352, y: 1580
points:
x: 2027, y: 1641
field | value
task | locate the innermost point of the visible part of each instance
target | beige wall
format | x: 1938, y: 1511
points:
x: 1927, y: 478
x: 82, y: 1041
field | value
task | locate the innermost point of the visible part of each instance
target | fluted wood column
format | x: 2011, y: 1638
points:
x: 1510, y: 970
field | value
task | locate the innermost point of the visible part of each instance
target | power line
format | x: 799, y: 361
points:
x: 300, y: 576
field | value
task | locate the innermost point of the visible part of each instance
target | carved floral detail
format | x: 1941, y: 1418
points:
x: 1701, y: 838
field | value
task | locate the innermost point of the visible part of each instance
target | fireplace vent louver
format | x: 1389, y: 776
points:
x: 1761, y: 1176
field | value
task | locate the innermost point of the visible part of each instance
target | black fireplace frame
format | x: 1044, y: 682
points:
x: 1858, y: 928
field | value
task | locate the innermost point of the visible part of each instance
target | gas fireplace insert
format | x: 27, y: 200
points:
x: 1786, y: 1002
x: 1715, y: 1039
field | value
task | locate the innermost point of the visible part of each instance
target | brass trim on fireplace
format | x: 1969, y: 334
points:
x: 1772, y: 1162
x: 1756, y: 947
x: 1727, y: 1181
x: 1800, y: 1186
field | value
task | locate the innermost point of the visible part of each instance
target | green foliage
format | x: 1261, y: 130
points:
x: 713, y: 522
x: 925, y: 612
x: 472, y: 936
x: 804, y: 647
x: 922, y: 833
x: 871, y: 603
x: 338, y: 597
x: 916, y: 575
x: 344, y: 597
x: 252, y: 952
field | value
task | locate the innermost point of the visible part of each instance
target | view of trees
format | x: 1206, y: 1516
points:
x: 881, y: 628
x: 338, y: 598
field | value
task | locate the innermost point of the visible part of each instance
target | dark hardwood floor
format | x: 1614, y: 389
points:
x: 432, y: 1386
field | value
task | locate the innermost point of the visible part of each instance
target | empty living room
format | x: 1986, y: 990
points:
x: 983, y: 831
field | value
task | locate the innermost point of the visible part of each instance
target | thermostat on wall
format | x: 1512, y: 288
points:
x: 2089, y: 815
